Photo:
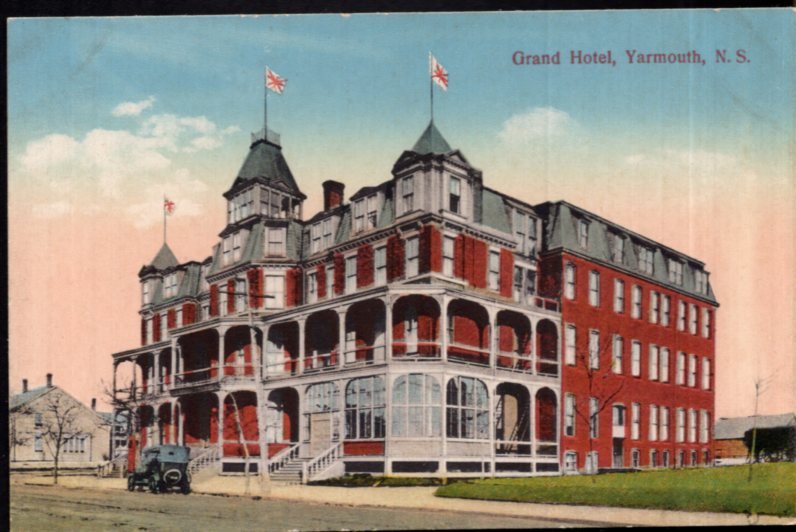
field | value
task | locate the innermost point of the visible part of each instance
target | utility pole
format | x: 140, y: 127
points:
x: 759, y: 389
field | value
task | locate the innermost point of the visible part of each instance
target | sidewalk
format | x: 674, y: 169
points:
x: 423, y: 498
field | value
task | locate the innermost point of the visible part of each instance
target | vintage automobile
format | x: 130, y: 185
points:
x: 162, y: 468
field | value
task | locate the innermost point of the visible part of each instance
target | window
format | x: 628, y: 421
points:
x: 237, y: 246
x: 371, y: 215
x: 247, y: 206
x: 692, y: 425
x: 692, y: 318
x: 592, y: 461
x: 205, y: 311
x: 240, y: 295
x: 675, y: 272
x: 517, y: 284
x: 655, y: 302
x: 706, y: 457
x: 569, y: 281
x: 680, y: 436
x: 170, y: 285
x: 653, y: 432
x: 448, y: 245
x: 149, y: 331
x: 617, y: 358
x: 653, y: 458
x: 634, y: 458
x: 276, y: 242
x: 645, y: 260
x: 178, y: 318
x: 275, y: 286
x: 680, y: 378
x: 359, y: 215
x: 350, y: 274
x: 524, y: 285
x: 681, y: 315
x: 569, y: 415
x: 467, y: 409
x: 146, y: 296
x: 693, y: 458
x: 619, y: 296
x: 411, y: 256
x: 705, y: 323
x: 329, y: 282
x: 594, y: 288
x: 701, y: 279
x: 705, y: 373
x: 692, y: 370
x: 570, y: 338
x: 635, y: 421
x: 455, y: 196
x: 164, y: 326
x: 665, y: 458
x: 570, y: 461
x: 227, y: 251
x: 664, y: 423
x: 636, y: 294
x: 364, y: 408
x: 315, y: 238
x: 407, y: 195
x: 583, y: 233
x: 322, y: 397
x: 664, y: 364
x: 276, y: 201
x: 312, y: 287
x: 327, y: 236
x: 635, y: 358
x: 667, y: 311
x: 494, y: 270
x: 594, y: 418
x: 531, y: 244
x: 525, y: 232
x: 594, y: 349
x: 704, y: 426
x: 653, y: 365
x: 381, y: 265
x: 617, y: 248
x: 618, y: 415
x: 680, y: 459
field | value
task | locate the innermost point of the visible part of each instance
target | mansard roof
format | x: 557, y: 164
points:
x: 431, y: 141
x: 266, y: 164
x: 164, y: 260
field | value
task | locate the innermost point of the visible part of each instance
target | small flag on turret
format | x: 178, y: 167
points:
x: 168, y: 206
x: 438, y: 73
x: 274, y: 82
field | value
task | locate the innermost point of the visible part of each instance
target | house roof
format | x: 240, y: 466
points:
x: 431, y: 141
x: 164, y: 259
x: 265, y: 160
x: 21, y: 399
x: 735, y: 427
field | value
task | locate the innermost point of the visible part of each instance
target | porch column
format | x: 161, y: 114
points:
x: 175, y: 345
x: 180, y: 424
x: 222, y: 332
x: 388, y: 328
x: 492, y: 312
x: 532, y: 340
x: 443, y: 326
x: 532, y: 421
x: 301, y: 340
x: 220, y: 416
x: 156, y: 381
x: 133, y: 391
x: 263, y: 357
x: 342, y: 344
x: 492, y: 424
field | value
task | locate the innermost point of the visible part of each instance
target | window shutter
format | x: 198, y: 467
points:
x: 214, y: 300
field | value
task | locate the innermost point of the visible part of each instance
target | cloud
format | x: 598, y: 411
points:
x: 535, y: 124
x: 116, y: 170
x: 133, y: 108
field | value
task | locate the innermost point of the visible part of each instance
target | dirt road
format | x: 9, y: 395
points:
x: 37, y: 508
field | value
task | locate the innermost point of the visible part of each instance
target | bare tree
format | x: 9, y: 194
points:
x: 128, y: 402
x: 17, y: 436
x: 601, y: 392
x: 60, y: 422
x: 760, y: 388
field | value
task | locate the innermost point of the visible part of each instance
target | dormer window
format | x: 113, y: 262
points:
x: 146, y: 296
x: 701, y: 279
x: 274, y: 204
x: 525, y: 232
x: 365, y: 213
x: 237, y: 246
x: 645, y: 258
x: 371, y: 214
x: 617, y: 248
x: 583, y: 234
x: 315, y: 238
x: 247, y: 204
x: 675, y: 272
x: 205, y: 270
x: 455, y: 195
x: 226, y: 252
x: 327, y: 236
x: 359, y: 216
x: 275, y: 242
x: 407, y: 194
x: 170, y: 285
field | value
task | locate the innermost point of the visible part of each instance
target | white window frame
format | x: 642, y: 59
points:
x: 594, y: 288
x: 583, y: 233
x: 646, y: 260
x: 570, y: 461
x: 680, y: 435
x: 654, y: 354
x: 275, y: 286
x: 569, y: 414
x: 455, y: 195
x: 704, y: 426
x: 371, y: 211
x: 407, y: 194
x: 635, y: 358
x: 312, y: 287
x: 448, y: 254
x: 692, y: 370
x: 636, y: 295
x: 146, y: 295
x: 226, y: 250
x: 570, y: 275
x: 237, y: 246
x: 570, y: 339
x: 412, y: 260
x: 594, y: 349
x: 664, y: 428
x: 681, y: 309
x: 675, y: 272
x: 617, y: 248
x: 329, y: 281
x: 619, y: 296
x: 693, y: 316
x: 681, y: 362
x: 664, y: 361
x: 240, y: 295
x: 350, y: 274
x: 494, y: 270
x: 275, y: 242
x: 618, y: 355
x: 667, y: 310
x: 327, y: 233
x: 635, y: 421
x: 315, y: 237
x: 705, y: 373
x: 692, y: 425
x: 655, y: 304
x: 359, y: 215
x: 705, y: 322
x: 380, y: 265
x: 594, y: 418
x: 652, y: 435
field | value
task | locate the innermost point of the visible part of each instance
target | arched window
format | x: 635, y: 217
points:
x: 416, y: 406
x: 468, y: 409
x: 364, y: 408
x: 322, y: 398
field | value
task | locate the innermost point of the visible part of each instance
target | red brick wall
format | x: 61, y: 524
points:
x: 247, y: 410
x: 730, y: 449
x: 395, y: 258
x: 363, y: 448
x: 339, y: 274
x: 631, y: 389
x: 214, y: 300
x: 364, y: 265
x: 470, y: 260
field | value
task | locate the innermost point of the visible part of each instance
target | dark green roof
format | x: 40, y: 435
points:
x: 164, y: 259
x: 431, y: 141
x: 21, y: 399
x: 265, y: 160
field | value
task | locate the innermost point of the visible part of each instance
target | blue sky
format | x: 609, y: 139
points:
x: 107, y: 115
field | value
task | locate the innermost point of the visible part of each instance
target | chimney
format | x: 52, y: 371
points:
x: 49, y: 380
x: 24, y: 385
x: 94, y: 404
x: 332, y: 194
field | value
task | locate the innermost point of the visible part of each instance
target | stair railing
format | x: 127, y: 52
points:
x: 321, y: 463
x: 283, y: 457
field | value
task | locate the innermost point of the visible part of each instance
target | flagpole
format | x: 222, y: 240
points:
x: 265, y: 106
x: 164, y: 219
x: 431, y: 87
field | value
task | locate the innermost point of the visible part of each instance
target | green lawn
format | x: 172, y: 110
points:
x: 722, y: 489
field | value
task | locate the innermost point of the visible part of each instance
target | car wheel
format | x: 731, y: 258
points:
x: 185, y: 488
x: 130, y: 483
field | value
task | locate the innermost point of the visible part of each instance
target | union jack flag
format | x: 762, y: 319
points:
x: 274, y: 82
x: 168, y: 206
x: 438, y: 73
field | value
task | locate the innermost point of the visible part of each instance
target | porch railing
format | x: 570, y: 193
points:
x: 468, y: 354
x: 283, y: 457
x: 364, y: 355
x: 320, y: 362
x: 322, y: 462
x: 514, y: 361
x: 420, y: 350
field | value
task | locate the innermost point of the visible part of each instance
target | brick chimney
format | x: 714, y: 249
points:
x: 49, y: 380
x: 332, y: 194
x: 94, y: 404
x: 24, y: 385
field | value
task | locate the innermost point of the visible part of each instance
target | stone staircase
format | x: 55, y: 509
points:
x: 291, y: 472
x: 116, y: 468
x: 204, y: 459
